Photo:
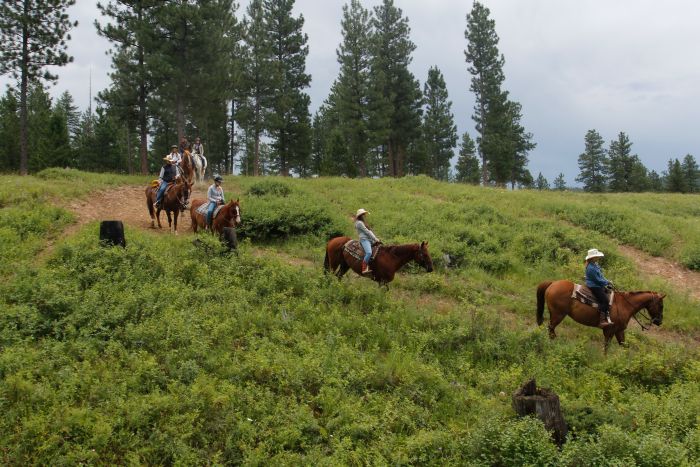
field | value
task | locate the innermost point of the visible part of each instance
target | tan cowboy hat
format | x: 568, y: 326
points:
x: 168, y: 158
x: 594, y: 253
x: 360, y: 212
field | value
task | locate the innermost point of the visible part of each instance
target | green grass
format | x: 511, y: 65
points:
x: 164, y: 353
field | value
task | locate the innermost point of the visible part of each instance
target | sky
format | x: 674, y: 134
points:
x: 574, y: 65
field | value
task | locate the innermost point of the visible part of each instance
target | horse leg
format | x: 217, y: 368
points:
x: 149, y: 204
x: 170, y: 221
x: 193, y: 218
x: 554, y: 320
x: 342, y: 269
x: 620, y: 336
x: 175, y: 214
x: 158, y: 217
x: 608, y: 334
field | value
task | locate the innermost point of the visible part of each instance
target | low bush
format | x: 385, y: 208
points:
x: 269, y: 187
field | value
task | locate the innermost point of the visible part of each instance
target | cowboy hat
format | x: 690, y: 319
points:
x: 168, y: 158
x: 174, y: 146
x: 360, y: 212
x: 594, y: 253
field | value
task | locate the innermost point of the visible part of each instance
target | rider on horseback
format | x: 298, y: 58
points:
x: 367, y: 238
x: 598, y: 283
x: 167, y: 175
x: 215, y: 195
x: 198, y: 147
x: 176, y: 158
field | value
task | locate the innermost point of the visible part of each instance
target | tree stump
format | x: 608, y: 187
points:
x: 229, y: 239
x: 544, y: 404
x: 112, y: 233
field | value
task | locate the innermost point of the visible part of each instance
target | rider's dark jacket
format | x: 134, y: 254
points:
x: 168, y: 173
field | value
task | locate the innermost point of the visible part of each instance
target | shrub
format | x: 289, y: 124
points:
x: 269, y: 187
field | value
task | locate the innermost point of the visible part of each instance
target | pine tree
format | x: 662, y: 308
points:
x: 9, y: 131
x: 439, y: 129
x: 691, y: 173
x: 33, y: 35
x: 352, y: 85
x: 675, y: 180
x: 526, y: 181
x: 620, y: 164
x: 541, y: 183
x: 289, y: 120
x: 467, y: 164
x: 655, y: 181
x: 132, y: 30
x: 560, y: 182
x: 257, y: 85
x: 395, y: 97
x: 502, y: 141
x: 593, y: 163
x: 639, y: 176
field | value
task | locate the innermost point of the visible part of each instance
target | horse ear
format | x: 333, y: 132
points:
x: 662, y: 296
x: 238, y: 199
x: 422, y: 244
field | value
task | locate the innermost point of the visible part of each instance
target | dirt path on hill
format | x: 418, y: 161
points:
x: 674, y: 273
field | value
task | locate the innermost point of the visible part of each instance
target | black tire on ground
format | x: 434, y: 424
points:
x: 112, y: 233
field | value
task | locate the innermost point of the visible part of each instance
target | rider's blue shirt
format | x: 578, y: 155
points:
x: 594, y: 276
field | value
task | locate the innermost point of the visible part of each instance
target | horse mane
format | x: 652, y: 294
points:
x: 400, y: 248
x: 637, y: 292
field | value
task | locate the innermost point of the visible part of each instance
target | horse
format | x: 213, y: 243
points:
x: 200, y: 166
x: 229, y: 216
x: 174, y: 200
x: 187, y: 167
x: 389, y: 259
x: 557, y: 296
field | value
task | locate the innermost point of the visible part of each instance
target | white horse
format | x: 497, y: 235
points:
x: 200, y: 166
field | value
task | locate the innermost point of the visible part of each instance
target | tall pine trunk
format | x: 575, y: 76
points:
x: 256, y: 156
x: 129, y: 158
x: 143, y: 116
x: 24, y: 89
x: 481, y: 130
x: 180, y: 117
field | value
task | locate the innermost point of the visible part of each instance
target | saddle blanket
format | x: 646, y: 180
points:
x: 203, y: 210
x: 584, y: 295
x: 354, y: 249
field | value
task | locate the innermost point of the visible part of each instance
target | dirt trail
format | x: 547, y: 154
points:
x: 674, y: 273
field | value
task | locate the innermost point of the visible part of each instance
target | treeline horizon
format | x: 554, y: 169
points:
x: 197, y: 70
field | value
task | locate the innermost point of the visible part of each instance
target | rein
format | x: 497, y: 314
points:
x: 634, y: 315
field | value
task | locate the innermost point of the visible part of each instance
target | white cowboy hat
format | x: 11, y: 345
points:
x: 168, y: 158
x: 360, y: 212
x: 594, y: 253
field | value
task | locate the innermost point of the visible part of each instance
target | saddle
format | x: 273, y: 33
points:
x: 584, y: 295
x: 156, y: 183
x: 354, y: 249
x: 203, y: 210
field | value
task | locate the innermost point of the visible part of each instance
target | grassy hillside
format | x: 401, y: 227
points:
x: 165, y: 353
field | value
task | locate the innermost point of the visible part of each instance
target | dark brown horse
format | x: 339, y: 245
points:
x: 174, y: 201
x: 229, y: 216
x: 557, y: 296
x: 389, y: 259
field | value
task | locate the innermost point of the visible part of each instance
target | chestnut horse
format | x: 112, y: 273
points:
x: 557, y: 296
x: 229, y: 216
x: 174, y: 200
x: 187, y: 167
x: 389, y: 259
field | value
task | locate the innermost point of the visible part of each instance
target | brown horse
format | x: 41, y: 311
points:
x: 229, y: 216
x: 187, y: 167
x: 174, y: 200
x: 557, y: 296
x: 389, y: 259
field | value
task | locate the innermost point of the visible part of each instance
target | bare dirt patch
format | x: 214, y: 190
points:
x: 674, y: 273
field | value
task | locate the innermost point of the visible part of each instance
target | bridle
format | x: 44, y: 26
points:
x: 655, y: 299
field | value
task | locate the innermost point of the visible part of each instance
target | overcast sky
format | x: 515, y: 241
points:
x: 623, y: 65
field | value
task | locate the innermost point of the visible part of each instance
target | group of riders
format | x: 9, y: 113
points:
x: 171, y: 171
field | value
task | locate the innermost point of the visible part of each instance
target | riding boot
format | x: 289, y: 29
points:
x: 604, y: 320
x: 365, y: 268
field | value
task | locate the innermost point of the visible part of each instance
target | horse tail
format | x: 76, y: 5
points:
x: 327, y: 263
x: 541, y: 289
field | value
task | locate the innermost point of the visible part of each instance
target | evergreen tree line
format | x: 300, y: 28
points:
x: 183, y: 68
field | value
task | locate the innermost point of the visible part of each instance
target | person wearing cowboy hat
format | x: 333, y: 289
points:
x: 215, y: 195
x: 167, y: 175
x: 176, y: 157
x: 367, y: 238
x: 598, y: 283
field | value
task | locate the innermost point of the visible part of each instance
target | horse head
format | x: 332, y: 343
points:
x: 184, y: 189
x: 422, y: 257
x: 656, y: 308
x: 232, y: 212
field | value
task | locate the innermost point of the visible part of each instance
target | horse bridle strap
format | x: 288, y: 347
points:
x: 644, y: 328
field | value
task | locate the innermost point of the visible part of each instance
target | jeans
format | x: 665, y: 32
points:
x: 601, y: 296
x: 367, y: 246
x: 210, y: 212
x: 161, y: 190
